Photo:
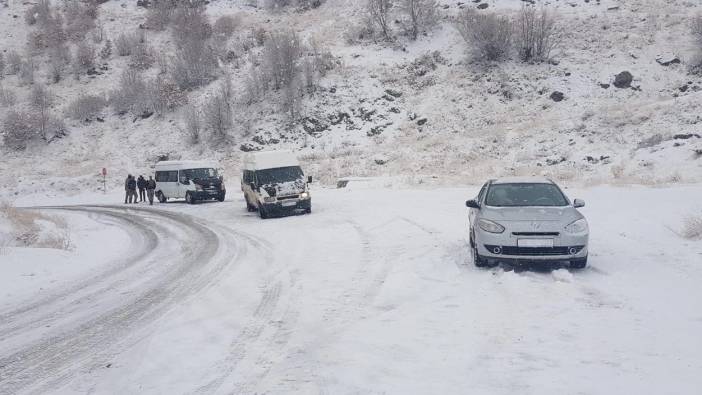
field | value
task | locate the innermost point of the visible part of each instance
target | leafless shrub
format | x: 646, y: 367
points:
x: 193, y: 124
x: 420, y: 16
x: 2, y: 66
x: 142, y: 57
x: 537, y: 33
x: 34, y: 229
x: 7, y: 97
x: 17, y: 130
x: 80, y: 18
x: 26, y: 72
x: 379, y: 15
x: 14, y: 62
x: 130, y: 96
x: 106, y: 50
x: 190, y: 24
x: 488, y: 33
x: 85, y: 56
x: 46, y: 125
x: 692, y: 228
x: 301, y: 4
x: 126, y: 43
x: 86, y: 107
x: 38, y: 13
x: 159, y: 14
x: 59, y: 59
x: 164, y: 95
x: 225, y: 26
x: 695, y: 64
x: 281, y: 52
x: 48, y: 34
x: 219, y: 116
x: 194, y: 65
x: 360, y: 31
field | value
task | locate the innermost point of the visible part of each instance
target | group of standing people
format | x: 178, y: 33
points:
x: 145, y: 187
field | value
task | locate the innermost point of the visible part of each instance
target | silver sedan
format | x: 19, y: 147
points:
x: 526, y: 220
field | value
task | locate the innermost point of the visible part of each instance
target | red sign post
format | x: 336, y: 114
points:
x: 104, y: 182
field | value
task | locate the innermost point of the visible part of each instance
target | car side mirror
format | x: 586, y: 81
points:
x: 309, y: 179
x: 577, y: 203
x: 472, y: 203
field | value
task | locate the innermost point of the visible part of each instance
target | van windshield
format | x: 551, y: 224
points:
x: 279, y: 175
x: 199, y: 174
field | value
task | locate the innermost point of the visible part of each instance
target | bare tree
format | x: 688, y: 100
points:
x: 85, y: 57
x: 695, y: 66
x: 193, y: 123
x: 17, y: 130
x: 47, y: 126
x: 420, y: 14
x: 195, y: 65
x: 2, y: 66
x: 219, y: 116
x: 86, y: 107
x: 537, y: 33
x: 190, y: 24
x: 379, y: 14
x: 281, y: 53
x: 14, y: 62
x: 59, y: 59
x: 7, y: 97
x: 226, y: 25
x: 26, y: 72
x: 488, y: 33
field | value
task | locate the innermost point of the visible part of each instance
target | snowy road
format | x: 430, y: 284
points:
x: 372, y: 293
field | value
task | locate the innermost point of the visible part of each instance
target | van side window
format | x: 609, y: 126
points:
x: 173, y: 176
x: 161, y: 176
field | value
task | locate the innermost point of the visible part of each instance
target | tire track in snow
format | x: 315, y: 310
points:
x: 45, y: 364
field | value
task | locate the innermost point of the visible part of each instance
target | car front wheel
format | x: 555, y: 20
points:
x: 478, y: 260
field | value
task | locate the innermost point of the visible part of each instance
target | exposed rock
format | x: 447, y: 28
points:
x: 393, y: 92
x: 555, y: 160
x: 340, y: 117
x: 395, y: 110
x: 263, y: 141
x: 380, y: 159
x: 313, y: 126
x: 667, y: 59
x: 604, y: 86
x: 686, y: 136
x: 557, y: 96
x: 623, y: 80
x: 248, y: 147
x: 421, y: 121
x: 482, y: 6
x: 651, y: 141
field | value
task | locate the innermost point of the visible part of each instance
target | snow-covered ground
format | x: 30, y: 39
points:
x: 374, y: 292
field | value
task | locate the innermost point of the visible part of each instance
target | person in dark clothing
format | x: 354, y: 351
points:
x: 141, y: 184
x: 127, y: 194
x: 132, y: 186
x: 150, y: 188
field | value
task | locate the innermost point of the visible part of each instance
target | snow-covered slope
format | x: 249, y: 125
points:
x: 419, y: 111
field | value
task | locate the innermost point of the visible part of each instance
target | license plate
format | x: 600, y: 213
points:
x: 289, y: 203
x: 535, y: 242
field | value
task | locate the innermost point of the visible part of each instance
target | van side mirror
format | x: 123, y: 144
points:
x: 577, y: 203
x: 309, y: 179
x: 472, y: 203
x: 185, y: 181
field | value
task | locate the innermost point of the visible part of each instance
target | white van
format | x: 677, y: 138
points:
x: 273, y: 183
x: 189, y: 180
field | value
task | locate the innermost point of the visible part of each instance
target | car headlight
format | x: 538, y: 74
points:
x: 305, y: 195
x: 579, y: 226
x: 269, y: 199
x: 489, y: 226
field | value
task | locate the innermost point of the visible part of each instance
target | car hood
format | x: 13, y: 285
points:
x: 566, y: 214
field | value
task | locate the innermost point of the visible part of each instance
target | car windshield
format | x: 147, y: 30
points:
x: 526, y: 194
x: 279, y: 175
x: 199, y: 174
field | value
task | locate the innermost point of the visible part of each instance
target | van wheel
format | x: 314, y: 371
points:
x: 220, y: 198
x: 189, y: 198
x: 160, y: 197
x: 262, y: 212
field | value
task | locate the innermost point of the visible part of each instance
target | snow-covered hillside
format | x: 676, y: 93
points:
x: 421, y: 111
